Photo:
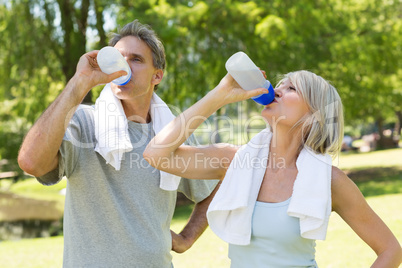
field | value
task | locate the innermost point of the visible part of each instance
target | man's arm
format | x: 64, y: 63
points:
x: 194, y: 227
x: 39, y: 151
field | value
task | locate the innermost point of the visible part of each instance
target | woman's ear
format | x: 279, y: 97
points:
x: 157, y: 77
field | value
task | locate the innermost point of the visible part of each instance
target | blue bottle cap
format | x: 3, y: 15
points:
x: 125, y: 82
x: 266, y: 98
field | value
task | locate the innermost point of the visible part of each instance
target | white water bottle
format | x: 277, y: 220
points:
x: 248, y: 76
x: 110, y: 61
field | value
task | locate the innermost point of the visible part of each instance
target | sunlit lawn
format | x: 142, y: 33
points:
x: 32, y: 253
x: 382, y: 158
x: 380, y: 181
x: 341, y: 249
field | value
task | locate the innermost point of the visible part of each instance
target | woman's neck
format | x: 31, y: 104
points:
x: 284, y: 148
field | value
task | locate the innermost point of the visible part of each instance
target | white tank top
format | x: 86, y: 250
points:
x: 275, y: 240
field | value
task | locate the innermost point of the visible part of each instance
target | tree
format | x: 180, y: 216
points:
x: 365, y: 61
x: 38, y: 54
x: 25, y: 67
x: 355, y: 44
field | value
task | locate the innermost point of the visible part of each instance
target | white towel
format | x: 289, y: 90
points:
x: 161, y: 115
x: 230, y: 212
x: 311, y: 198
x: 111, y: 131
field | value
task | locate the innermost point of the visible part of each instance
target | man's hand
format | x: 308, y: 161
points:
x: 88, y: 70
x: 194, y: 227
x: 180, y: 243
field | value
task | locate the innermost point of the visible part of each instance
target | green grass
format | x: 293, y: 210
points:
x: 378, y: 181
x: 378, y: 175
x: 382, y: 158
x: 32, y: 253
x: 375, y: 173
x: 31, y: 188
x: 342, y: 247
x: 29, y: 192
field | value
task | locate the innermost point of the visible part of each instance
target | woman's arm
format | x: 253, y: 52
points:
x: 166, y: 152
x: 349, y: 203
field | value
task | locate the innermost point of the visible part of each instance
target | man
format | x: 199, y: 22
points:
x: 114, y: 217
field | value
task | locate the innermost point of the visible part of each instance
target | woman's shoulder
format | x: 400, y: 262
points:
x: 337, y: 174
x: 338, y: 178
x: 343, y: 189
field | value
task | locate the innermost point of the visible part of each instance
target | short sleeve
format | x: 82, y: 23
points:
x: 69, y: 151
x: 197, y: 190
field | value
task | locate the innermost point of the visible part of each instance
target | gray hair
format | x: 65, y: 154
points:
x: 322, y: 128
x: 145, y: 33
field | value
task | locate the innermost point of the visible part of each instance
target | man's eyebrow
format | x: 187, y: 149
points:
x: 135, y: 55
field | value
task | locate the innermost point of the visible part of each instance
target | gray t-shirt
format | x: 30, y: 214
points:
x: 115, y: 218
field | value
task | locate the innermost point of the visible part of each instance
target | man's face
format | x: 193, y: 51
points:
x: 144, y: 75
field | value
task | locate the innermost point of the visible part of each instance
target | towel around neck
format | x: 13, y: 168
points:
x: 230, y: 212
x: 111, y: 131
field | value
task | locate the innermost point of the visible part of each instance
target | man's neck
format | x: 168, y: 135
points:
x: 137, y: 110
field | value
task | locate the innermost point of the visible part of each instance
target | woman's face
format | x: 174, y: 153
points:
x: 287, y: 108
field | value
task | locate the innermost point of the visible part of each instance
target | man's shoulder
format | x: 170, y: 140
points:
x: 84, y: 113
x: 82, y: 119
x: 85, y: 110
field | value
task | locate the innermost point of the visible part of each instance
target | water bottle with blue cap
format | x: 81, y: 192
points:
x: 249, y: 76
x: 110, y: 61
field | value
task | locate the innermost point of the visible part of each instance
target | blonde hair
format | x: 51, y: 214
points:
x: 322, y: 128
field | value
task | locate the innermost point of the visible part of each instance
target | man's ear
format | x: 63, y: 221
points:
x: 157, y: 77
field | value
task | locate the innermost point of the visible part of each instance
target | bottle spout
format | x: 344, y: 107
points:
x: 266, y: 98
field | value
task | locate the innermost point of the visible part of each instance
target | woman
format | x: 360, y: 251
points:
x: 278, y: 190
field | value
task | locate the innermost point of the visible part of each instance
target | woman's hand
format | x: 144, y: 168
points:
x: 229, y: 90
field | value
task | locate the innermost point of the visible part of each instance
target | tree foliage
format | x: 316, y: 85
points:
x: 41, y: 42
x: 356, y: 44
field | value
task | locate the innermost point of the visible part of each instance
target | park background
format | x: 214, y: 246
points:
x: 356, y: 44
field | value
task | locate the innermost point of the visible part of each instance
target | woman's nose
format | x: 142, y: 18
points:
x: 278, y: 93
